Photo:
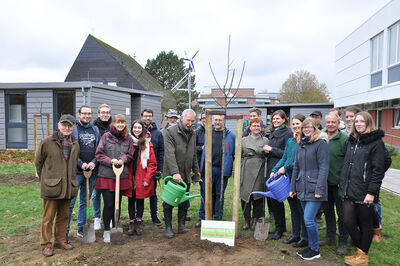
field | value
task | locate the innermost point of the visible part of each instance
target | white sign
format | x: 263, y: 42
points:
x: 218, y: 231
x: 127, y: 111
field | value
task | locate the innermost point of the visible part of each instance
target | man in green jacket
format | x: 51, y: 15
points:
x: 180, y: 160
x: 337, y: 150
x: 55, y: 162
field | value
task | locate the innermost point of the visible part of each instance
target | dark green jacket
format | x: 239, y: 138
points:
x: 337, y: 151
x: 57, y: 176
x: 180, y: 154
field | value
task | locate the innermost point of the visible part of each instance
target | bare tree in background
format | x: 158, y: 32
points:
x: 229, y: 93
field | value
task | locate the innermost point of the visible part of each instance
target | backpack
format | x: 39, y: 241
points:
x: 387, y: 159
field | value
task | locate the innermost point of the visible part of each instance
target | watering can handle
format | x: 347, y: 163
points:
x: 170, y: 177
x: 275, y: 176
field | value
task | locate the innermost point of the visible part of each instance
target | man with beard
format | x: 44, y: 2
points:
x: 158, y: 145
x: 88, y: 137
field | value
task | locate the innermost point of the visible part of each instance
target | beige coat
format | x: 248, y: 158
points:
x: 57, y: 176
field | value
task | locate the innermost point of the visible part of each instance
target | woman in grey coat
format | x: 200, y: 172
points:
x: 309, y: 180
x: 252, y: 173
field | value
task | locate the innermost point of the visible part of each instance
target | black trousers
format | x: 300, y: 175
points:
x: 135, y: 211
x: 359, y: 220
x: 256, y: 205
x: 109, y: 207
x: 278, y: 209
x: 329, y: 211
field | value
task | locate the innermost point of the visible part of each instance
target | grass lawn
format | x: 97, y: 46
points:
x: 21, y: 211
x: 395, y: 162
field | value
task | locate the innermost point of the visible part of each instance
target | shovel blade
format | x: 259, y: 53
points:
x: 116, y: 236
x: 261, y: 231
x: 89, y: 236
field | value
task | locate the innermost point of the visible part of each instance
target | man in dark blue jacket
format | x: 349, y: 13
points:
x: 88, y: 137
x: 158, y: 145
x: 229, y: 155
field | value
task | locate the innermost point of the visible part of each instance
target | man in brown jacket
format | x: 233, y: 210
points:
x: 180, y: 160
x: 55, y: 162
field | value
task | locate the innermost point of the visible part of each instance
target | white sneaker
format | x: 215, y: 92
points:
x: 97, y: 223
x: 107, y: 236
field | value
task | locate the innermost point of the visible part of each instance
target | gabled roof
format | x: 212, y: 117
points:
x: 132, y: 67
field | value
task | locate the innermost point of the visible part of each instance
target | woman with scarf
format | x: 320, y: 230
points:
x: 309, y: 180
x: 359, y: 184
x: 252, y: 173
x: 280, y: 133
x: 285, y: 165
x: 115, y: 148
x: 141, y: 172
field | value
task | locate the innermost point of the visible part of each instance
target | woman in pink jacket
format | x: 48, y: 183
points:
x: 141, y: 173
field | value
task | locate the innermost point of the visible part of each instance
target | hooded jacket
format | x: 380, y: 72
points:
x: 277, y: 140
x: 363, y: 167
x: 229, y: 155
x: 311, y: 168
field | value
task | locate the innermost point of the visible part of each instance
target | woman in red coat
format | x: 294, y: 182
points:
x: 141, y: 173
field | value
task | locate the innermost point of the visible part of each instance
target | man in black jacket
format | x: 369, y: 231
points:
x: 158, y: 145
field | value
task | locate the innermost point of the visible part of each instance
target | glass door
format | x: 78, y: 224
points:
x: 64, y: 103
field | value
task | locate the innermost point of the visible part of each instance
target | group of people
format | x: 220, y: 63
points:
x: 78, y: 146
x: 342, y: 165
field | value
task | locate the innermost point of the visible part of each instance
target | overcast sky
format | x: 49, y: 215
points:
x: 41, y: 39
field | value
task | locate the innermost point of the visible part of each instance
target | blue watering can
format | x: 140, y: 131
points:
x: 278, y: 186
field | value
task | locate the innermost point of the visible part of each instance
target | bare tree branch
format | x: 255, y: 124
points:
x: 241, y: 75
x: 216, y: 81
x: 227, y: 71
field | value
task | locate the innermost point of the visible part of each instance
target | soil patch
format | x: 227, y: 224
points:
x: 153, y: 248
x: 19, y: 179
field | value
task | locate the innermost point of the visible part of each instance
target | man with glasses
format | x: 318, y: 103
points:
x: 88, y: 137
x: 103, y: 122
x: 55, y: 162
x: 158, y: 145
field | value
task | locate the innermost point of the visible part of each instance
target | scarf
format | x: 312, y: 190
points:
x: 305, y: 140
x: 145, y: 154
x: 66, y: 145
x: 116, y: 133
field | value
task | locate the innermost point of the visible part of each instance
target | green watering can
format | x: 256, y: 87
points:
x: 175, y: 194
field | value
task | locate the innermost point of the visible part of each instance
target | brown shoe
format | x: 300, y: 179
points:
x: 131, y: 229
x: 198, y: 224
x: 377, y: 235
x: 360, y: 258
x: 64, y: 246
x: 47, y: 252
x: 138, y: 227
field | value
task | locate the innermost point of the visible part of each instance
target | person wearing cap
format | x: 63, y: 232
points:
x: 172, y: 118
x: 317, y: 116
x: 56, y: 161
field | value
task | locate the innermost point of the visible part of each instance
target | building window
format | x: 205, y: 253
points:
x: 396, y: 123
x: 16, y: 120
x: 376, y: 60
x: 394, y: 53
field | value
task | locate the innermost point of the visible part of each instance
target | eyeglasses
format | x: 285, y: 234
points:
x: 67, y: 125
x: 86, y: 113
x: 255, y: 126
x: 147, y: 116
x: 104, y: 113
x: 308, y: 128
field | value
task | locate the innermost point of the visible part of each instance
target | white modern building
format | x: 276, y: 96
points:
x: 367, y: 69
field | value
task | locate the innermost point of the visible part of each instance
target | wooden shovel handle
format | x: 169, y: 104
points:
x: 117, y: 172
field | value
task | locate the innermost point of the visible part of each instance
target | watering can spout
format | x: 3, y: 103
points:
x: 186, y: 197
x: 265, y: 194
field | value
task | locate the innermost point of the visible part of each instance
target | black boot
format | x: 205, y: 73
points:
x: 131, y: 229
x: 168, y: 222
x: 181, y: 220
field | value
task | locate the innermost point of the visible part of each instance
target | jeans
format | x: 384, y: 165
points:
x: 310, y: 209
x: 153, y: 201
x: 296, y: 215
x: 82, y: 200
x: 216, y: 193
x: 329, y: 211
x: 96, y: 202
x: 378, y: 210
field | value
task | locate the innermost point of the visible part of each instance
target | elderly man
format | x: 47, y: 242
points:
x: 217, y: 148
x: 179, y: 161
x: 56, y: 162
x: 172, y: 118
x: 337, y: 151
x: 88, y: 137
